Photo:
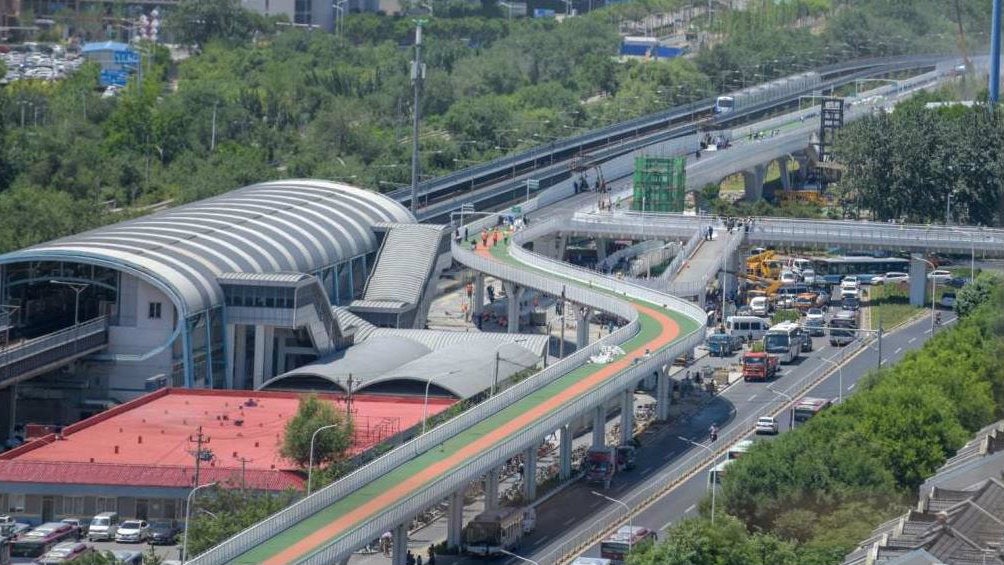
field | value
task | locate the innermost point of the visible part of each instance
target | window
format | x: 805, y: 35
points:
x: 155, y: 310
x: 73, y: 505
x: 106, y: 504
x: 16, y: 503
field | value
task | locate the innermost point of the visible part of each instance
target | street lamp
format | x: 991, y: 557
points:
x: 188, y: 519
x: 840, y: 372
x: 498, y: 357
x: 714, y: 480
x: 77, y: 289
x: 627, y: 509
x: 310, y: 465
x: 425, y: 406
x: 511, y: 554
x: 786, y: 396
x: 934, y: 286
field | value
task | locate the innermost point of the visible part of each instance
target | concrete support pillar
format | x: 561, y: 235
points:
x: 280, y: 358
x: 663, y: 395
x: 239, y: 364
x: 565, y: 453
x: 627, y: 416
x: 782, y: 164
x: 399, y: 552
x: 455, y: 519
x: 492, y: 489
x: 753, y: 180
x: 560, y: 244
x: 263, y: 344
x: 918, y: 280
x: 702, y: 299
x: 601, y: 249
x: 479, y: 295
x: 8, y: 407
x: 514, y: 295
x: 530, y: 475
x: 600, y: 426
x: 582, y: 317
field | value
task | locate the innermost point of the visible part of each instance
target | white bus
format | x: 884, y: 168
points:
x: 783, y: 340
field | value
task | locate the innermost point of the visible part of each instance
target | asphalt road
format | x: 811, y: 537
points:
x: 740, y: 402
x: 663, y: 457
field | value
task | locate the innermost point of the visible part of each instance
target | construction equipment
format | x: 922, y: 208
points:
x: 763, y: 265
x: 659, y: 184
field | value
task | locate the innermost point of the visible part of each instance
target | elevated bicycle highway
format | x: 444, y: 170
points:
x: 29, y: 358
x: 329, y: 525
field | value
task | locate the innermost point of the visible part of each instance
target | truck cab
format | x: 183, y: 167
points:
x: 600, y: 465
x: 758, y: 366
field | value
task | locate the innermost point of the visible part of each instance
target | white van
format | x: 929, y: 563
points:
x: 749, y: 328
x: 592, y: 561
x: 759, y: 306
x: 104, y: 526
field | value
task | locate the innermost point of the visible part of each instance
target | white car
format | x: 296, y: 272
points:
x: 788, y: 277
x: 849, y: 283
x: 948, y: 300
x: 891, y: 277
x: 133, y: 531
x: 808, y: 276
x: 766, y: 425
x: 939, y: 275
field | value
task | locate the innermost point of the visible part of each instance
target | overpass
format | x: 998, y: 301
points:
x: 26, y: 359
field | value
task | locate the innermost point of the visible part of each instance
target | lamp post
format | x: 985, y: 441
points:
x: 77, y: 289
x: 934, y: 286
x: 498, y: 357
x: 310, y: 465
x: 425, y: 405
x: 188, y: 518
x: 627, y: 509
x: 714, y: 481
x: 520, y: 557
x: 786, y: 396
x: 840, y: 372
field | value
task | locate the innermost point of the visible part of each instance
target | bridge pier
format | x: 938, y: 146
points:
x: 565, y: 453
x: 530, y: 474
x: 663, y: 395
x: 918, y: 280
x: 782, y: 163
x: 478, y: 299
x: 264, y: 336
x: 601, y: 249
x: 582, y: 316
x: 455, y: 519
x: 753, y: 179
x: 237, y: 374
x: 399, y: 553
x: 600, y: 425
x: 514, y: 295
x: 492, y: 489
x: 627, y: 416
x: 8, y: 401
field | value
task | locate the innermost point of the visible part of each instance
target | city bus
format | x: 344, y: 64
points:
x: 784, y: 341
x: 497, y: 529
x: 617, y: 545
x: 832, y: 269
x: 808, y: 407
x: 842, y: 327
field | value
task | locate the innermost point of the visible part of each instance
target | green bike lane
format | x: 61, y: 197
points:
x: 281, y: 544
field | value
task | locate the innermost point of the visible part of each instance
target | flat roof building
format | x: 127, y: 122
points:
x: 138, y: 459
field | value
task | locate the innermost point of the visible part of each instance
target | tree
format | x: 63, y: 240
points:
x: 972, y: 295
x: 312, y: 414
x: 228, y: 511
x: 196, y: 22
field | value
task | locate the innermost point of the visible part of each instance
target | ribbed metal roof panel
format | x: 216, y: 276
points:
x: 284, y: 226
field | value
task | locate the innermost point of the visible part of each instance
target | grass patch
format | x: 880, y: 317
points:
x: 890, y: 304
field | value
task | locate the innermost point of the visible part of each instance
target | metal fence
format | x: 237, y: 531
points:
x: 29, y: 355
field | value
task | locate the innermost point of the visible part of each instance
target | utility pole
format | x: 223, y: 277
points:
x: 417, y: 77
x: 212, y: 143
x: 995, y: 53
x: 199, y: 440
x: 244, y: 463
x: 879, y: 366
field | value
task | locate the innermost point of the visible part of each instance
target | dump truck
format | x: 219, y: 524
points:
x: 759, y: 366
x: 601, y: 464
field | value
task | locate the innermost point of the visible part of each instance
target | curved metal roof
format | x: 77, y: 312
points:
x: 299, y: 225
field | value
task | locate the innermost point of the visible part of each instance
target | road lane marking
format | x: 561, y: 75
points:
x: 647, y: 470
x: 541, y: 540
x: 911, y: 340
x: 851, y: 387
x: 898, y: 349
x: 690, y: 509
x: 750, y: 399
x: 570, y: 521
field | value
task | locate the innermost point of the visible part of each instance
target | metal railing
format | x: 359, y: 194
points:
x: 29, y: 355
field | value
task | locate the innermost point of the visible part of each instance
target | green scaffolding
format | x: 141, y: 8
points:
x: 660, y: 184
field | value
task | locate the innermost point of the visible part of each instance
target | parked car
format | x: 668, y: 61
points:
x: 129, y: 557
x: 164, y: 531
x: 942, y: 276
x: 79, y: 525
x: 766, y: 425
x: 809, y: 276
x: 788, y: 277
x: 65, y: 552
x: 948, y: 300
x: 103, y: 526
x: 136, y: 531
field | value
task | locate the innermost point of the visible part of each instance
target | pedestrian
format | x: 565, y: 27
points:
x: 432, y: 555
x: 465, y: 234
x: 418, y: 560
x: 409, y: 559
x: 456, y: 234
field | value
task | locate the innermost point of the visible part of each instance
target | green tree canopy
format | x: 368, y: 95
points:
x: 313, y: 414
